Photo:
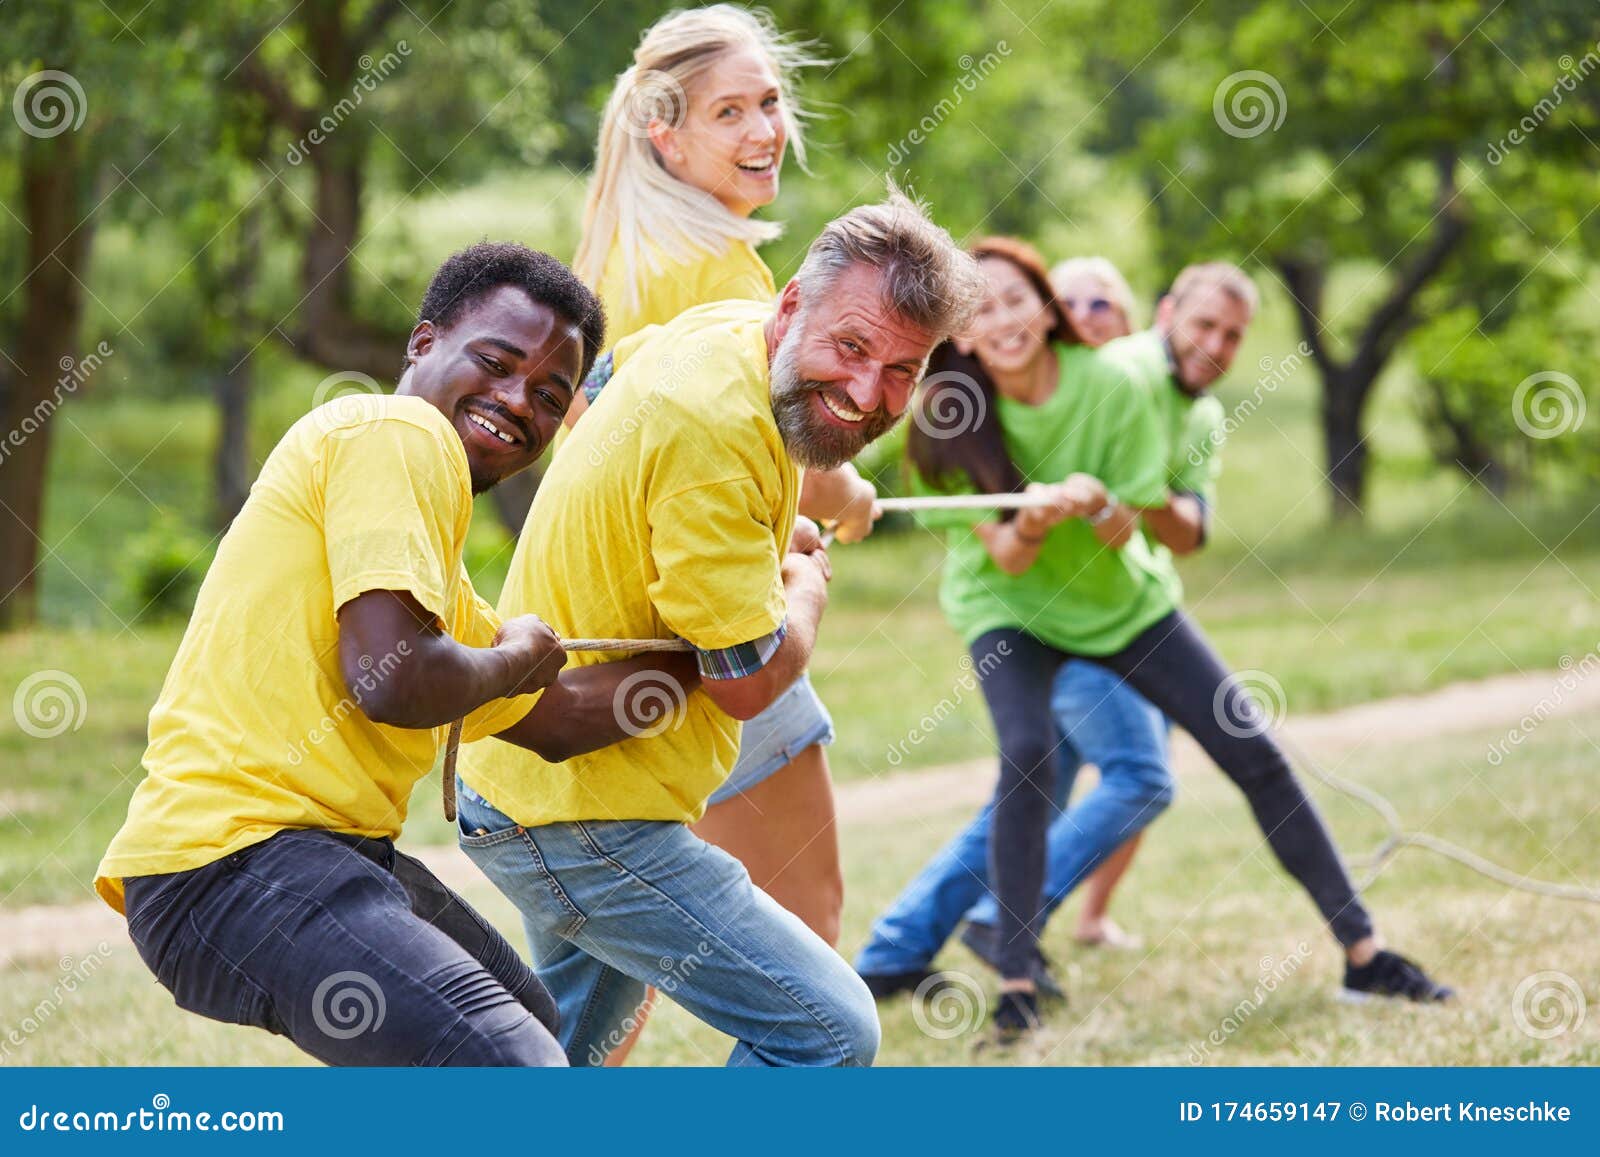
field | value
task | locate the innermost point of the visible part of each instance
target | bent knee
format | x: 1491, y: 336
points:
x: 857, y: 1028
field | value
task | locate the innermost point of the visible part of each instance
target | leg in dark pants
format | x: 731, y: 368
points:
x: 1172, y: 665
x: 306, y: 936
x: 1017, y: 689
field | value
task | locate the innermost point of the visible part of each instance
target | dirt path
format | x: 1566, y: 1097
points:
x: 61, y: 932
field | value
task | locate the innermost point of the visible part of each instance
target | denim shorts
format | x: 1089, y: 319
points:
x: 795, y: 721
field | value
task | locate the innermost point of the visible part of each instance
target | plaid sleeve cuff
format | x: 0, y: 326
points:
x: 598, y: 377
x: 741, y: 659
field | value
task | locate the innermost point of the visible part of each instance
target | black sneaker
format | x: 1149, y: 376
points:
x: 984, y: 941
x: 883, y: 985
x: 1016, y: 1014
x: 1390, y: 974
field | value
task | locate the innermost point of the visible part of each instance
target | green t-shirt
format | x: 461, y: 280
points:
x: 1080, y: 595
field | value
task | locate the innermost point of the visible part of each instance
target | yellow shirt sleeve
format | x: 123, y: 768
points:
x: 475, y: 626
x: 394, y: 509
x: 717, y: 578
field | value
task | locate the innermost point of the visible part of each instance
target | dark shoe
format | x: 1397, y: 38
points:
x: 883, y: 985
x: 1015, y: 1016
x: 984, y: 941
x: 1390, y: 974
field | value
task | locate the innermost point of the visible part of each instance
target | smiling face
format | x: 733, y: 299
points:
x: 1013, y: 324
x: 1204, y: 331
x: 503, y: 373
x: 732, y: 138
x: 843, y: 367
x: 1094, y: 313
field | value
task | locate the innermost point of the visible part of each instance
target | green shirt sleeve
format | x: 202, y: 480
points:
x: 1133, y: 462
x: 1196, y: 463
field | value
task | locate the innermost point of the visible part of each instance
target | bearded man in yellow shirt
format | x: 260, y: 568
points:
x: 335, y: 638
x: 670, y: 511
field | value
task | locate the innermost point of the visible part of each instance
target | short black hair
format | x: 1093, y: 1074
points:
x: 482, y: 268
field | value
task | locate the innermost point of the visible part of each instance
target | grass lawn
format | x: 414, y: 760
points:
x: 1233, y: 949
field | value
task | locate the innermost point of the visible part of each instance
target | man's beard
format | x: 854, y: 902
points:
x: 812, y: 440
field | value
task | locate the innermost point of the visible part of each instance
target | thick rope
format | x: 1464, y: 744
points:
x: 1399, y: 838
x: 452, y: 743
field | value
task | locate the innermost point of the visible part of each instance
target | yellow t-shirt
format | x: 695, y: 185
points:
x: 667, y: 514
x: 255, y: 731
x: 669, y: 288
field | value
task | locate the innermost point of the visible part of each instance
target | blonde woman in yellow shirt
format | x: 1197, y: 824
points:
x: 691, y: 145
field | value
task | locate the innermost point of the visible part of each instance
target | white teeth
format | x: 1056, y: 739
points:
x: 842, y: 414
x: 756, y: 164
x: 491, y: 427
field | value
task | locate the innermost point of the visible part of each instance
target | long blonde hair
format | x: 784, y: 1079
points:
x: 632, y: 198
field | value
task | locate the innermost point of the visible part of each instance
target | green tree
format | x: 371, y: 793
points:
x: 1307, y: 136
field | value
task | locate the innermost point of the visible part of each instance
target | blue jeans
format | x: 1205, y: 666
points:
x: 1104, y: 722
x: 612, y: 906
x: 349, y: 948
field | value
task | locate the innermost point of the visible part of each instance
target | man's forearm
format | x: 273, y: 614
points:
x: 825, y: 494
x: 585, y: 709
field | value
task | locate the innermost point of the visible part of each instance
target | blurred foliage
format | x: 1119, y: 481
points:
x: 1090, y: 127
x: 161, y: 570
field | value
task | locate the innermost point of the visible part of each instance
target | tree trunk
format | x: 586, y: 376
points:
x: 1343, y: 444
x: 58, y: 248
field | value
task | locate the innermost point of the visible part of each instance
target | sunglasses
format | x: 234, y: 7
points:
x: 1093, y: 305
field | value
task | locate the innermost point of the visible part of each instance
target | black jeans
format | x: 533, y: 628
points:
x: 1173, y: 666
x: 352, y: 950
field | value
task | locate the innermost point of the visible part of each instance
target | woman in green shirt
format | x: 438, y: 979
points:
x: 1028, y: 591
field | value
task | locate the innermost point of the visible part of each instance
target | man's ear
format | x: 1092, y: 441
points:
x: 788, y: 309
x: 422, y: 339
x: 1164, y: 309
